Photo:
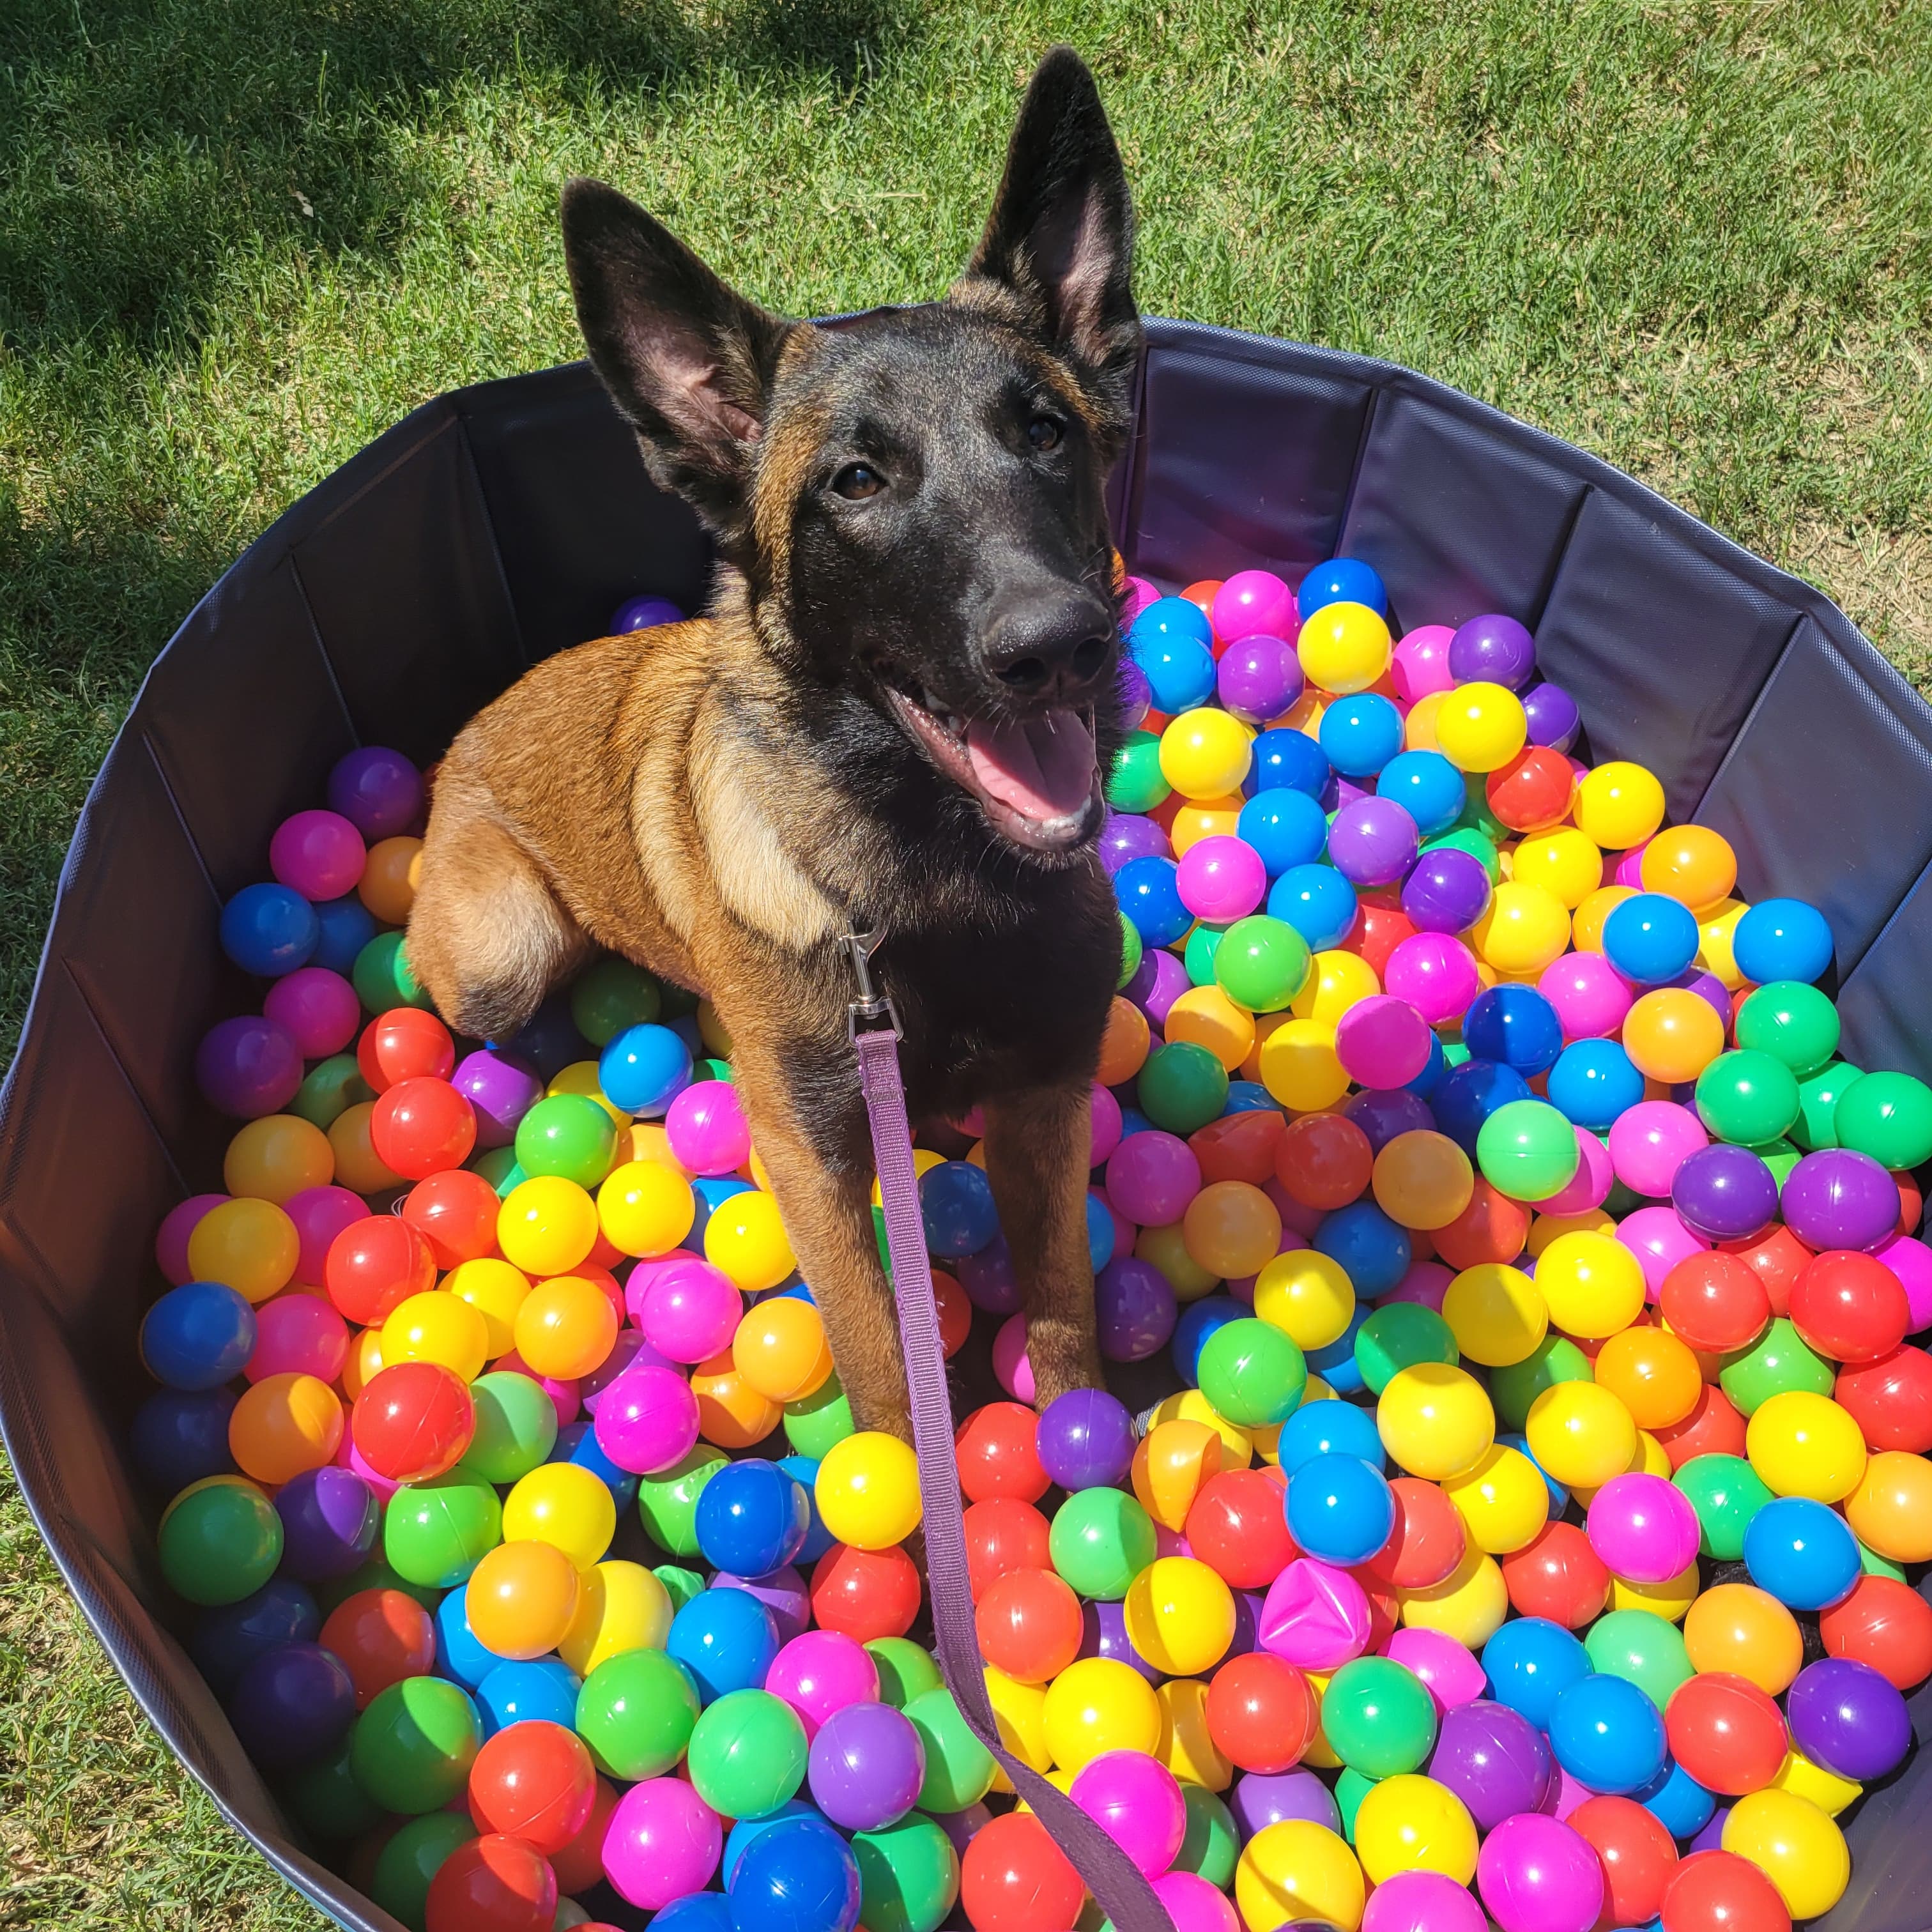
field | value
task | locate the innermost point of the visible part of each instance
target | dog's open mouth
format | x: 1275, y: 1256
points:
x: 1037, y: 779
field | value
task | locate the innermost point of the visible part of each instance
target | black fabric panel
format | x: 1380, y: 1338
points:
x: 1883, y: 1005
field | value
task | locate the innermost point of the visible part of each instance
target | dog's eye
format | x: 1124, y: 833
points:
x: 858, y: 480
x: 1046, y: 432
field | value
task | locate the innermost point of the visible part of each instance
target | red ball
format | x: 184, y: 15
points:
x: 381, y: 1636
x: 1884, y: 1623
x: 1029, y: 1624
x: 997, y: 1453
x: 1637, y: 1854
x: 1324, y: 1161
x: 421, y: 1127
x: 1532, y: 792
x: 1713, y: 1302
x: 580, y: 1865
x: 1778, y: 1259
x: 1015, y: 1878
x: 1378, y: 931
x: 534, y: 1780
x: 1718, y: 1891
x: 1714, y: 1427
x: 1492, y: 1227
x: 956, y: 1313
x: 406, y: 1043
x: 1559, y: 1575
x: 1261, y: 1712
x: 1003, y: 1534
x: 865, y: 1593
x: 1891, y: 1400
x: 1428, y: 1540
x: 492, y: 1884
x: 1238, y: 1147
x: 456, y: 1212
x: 1849, y: 1306
x: 1726, y: 1733
x: 412, y: 1420
x: 1236, y: 1525
x: 374, y: 1264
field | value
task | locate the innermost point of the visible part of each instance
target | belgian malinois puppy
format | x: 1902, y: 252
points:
x: 895, y: 717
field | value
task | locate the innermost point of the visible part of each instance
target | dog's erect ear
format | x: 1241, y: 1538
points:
x: 688, y: 362
x: 1060, y: 239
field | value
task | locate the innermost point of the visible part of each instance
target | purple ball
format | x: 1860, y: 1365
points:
x: 248, y: 1067
x: 1711, y: 1837
x: 1447, y: 892
x: 1372, y: 841
x: 1262, y: 1798
x: 1136, y: 693
x: 644, y: 613
x: 1258, y: 678
x: 1135, y: 1307
x: 1247, y: 1638
x: 1725, y: 1193
x: 1494, y: 1759
x: 502, y: 1088
x: 963, y: 1827
x: 1553, y: 718
x: 292, y: 1705
x: 1086, y: 1438
x: 378, y: 790
x: 989, y: 1278
x: 866, y: 1766
x: 783, y: 1593
x: 1839, y: 1199
x: 1709, y: 988
x: 1127, y: 835
x: 330, y: 1520
x: 1495, y: 650
x: 1846, y: 1716
x: 1159, y: 980
x: 1383, y: 1113
x: 1106, y: 1636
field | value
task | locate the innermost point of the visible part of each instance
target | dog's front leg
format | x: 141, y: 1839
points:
x: 1037, y: 1145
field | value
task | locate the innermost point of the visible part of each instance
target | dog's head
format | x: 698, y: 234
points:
x: 914, y: 499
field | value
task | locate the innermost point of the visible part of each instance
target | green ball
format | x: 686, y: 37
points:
x: 1101, y: 1540
x: 329, y: 1089
x: 516, y: 1425
x: 569, y: 1136
x: 1872, y: 1565
x: 1792, y: 1022
x: 1726, y: 1492
x: 1261, y: 963
x: 1778, y: 1360
x: 815, y: 1422
x: 1643, y: 1649
x: 1476, y: 815
x: 382, y: 977
x: 1399, y: 1336
x: 1130, y: 951
x: 413, y: 1855
x: 1889, y: 1117
x: 1351, y: 1788
x: 1252, y: 1372
x: 1818, y: 1097
x: 327, y: 1801
x: 747, y: 1753
x: 498, y: 1166
x: 1213, y: 1845
x: 1481, y: 849
x: 1781, y: 1156
x: 333, y: 1591
x: 435, y: 1533
x: 1555, y: 1359
x: 667, y: 1502
x: 958, y: 1768
x: 1203, y: 943
x: 680, y: 1584
x: 611, y: 995
x: 713, y: 1068
x: 637, y: 1712
x: 412, y: 1749
x: 1378, y: 1716
x: 908, y: 1876
x: 906, y: 1669
x: 1747, y: 1097
x: 1134, y: 781
x: 1182, y: 1087
x: 1527, y: 1149
x: 220, y: 1540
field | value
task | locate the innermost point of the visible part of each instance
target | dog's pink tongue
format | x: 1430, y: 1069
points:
x: 1043, y: 768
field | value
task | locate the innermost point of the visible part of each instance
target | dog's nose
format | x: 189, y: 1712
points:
x: 1051, y: 648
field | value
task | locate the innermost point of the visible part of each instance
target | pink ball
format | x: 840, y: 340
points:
x: 1304, y: 1220
x: 663, y: 1843
x: 180, y: 1222
x: 1195, y: 1903
x: 1564, y: 1796
x: 1450, y: 1673
x: 1537, y: 1875
x: 629, y: 1350
x: 689, y: 1312
x: 1590, y: 1186
x: 1422, y: 1901
x: 1010, y: 1365
x: 1643, y: 1527
x: 1135, y: 598
x: 643, y: 1273
x: 1426, y: 1283
x: 1104, y: 1123
x: 821, y: 1672
x: 1420, y: 663
x: 1221, y: 878
x: 1911, y: 1261
x: 1315, y: 1616
x: 1659, y: 1241
x: 1152, y: 1177
x: 1590, y: 995
x: 1630, y: 867
x: 1382, y: 1042
x: 320, y: 1213
x: 1435, y: 973
x: 1650, y: 1142
x: 348, y: 1456
x: 1136, y: 1800
x: 706, y: 1129
x: 320, y: 1009
x: 1253, y: 601
x: 299, y: 1333
x: 318, y: 853
x: 646, y: 1420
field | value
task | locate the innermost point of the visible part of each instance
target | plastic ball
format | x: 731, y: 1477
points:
x: 1527, y: 1149
x: 1714, y: 1890
x: 1344, y: 647
x: 867, y: 1491
x: 1643, y: 1528
x: 1802, y: 1444
x: 1297, y: 1871
x: 1801, y: 1553
x: 1607, y: 1735
x: 1580, y: 1435
x: 1795, y: 1845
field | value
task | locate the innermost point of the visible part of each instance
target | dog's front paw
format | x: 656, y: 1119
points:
x: 1063, y: 1358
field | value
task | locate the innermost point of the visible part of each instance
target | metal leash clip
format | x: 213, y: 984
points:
x: 864, y: 1014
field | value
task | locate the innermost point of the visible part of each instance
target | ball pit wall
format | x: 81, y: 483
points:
x: 500, y: 523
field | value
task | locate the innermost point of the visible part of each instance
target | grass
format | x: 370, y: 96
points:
x: 236, y: 243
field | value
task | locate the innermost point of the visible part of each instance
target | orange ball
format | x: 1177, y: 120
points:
x: 1672, y: 1035
x: 1653, y: 1373
x: 1123, y: 1046
x: 1745, y: 1632
x: 388, y: 887
x: 284, y: 1425
x: 1689, y: 862
x: 780, y: 1349
x: 1231, y: 1228
x: 731, y: 1413
x: 565, y: 1326
x: 519, y: 1600
x: 1172, y: 1461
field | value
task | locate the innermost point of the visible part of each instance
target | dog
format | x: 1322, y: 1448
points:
x: 895, y: 719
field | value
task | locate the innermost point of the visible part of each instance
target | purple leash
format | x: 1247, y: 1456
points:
x: 1110, y: 1876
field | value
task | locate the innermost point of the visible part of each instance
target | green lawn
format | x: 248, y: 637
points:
x: 236, y: 241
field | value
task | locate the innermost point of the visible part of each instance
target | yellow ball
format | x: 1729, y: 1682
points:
x: 1407, y: 1823
x: 1891, y: 1510
x: 1343, y: 648
x: 1297, y: 1870
x: 1565, y: 864
x: 1205, y: 753
x: 1338, y: 981
x: 1503, y: 1501
x: 622, y: 1606
x: 1436, y: 1420
x: 1495, y: 1314
x: 1716, y: 928
x: 1804, y: 1444
x: 1592, y: 1284
x: 1619, y: 805
x: 1796, y: 1847
x: 868, y: 1490
x: 436, y: 1327
x: 1307, y: 1295
x: 519, y: 1600
x: 1180, y: 1615
x: 745, y: 1237
x: 1525, y: 929
x: 645, y: 1207
x: 546, y: 1226
x: 1669, y: 1600
x: 580, y: 1077
x: 279, y: 1155
x: 496, y: 1290
x: 1099, y: 1704
x: 715, y: 1035
x: 1210, y: 818
x: 1825, y: 1788
x: 1587, y: 928
x: 564, y: 1504
x: 1469, y: 1604
x: 250, y: 1245
x: 1672, y: 1035
x: 1019, y: 1711
x: 1480, y: 726
x: 1580, y: 1435
x: 1299, y: 1067
x: 565, y: 1327
x: 1186, y: 1747
x: 1205, y: 1016
x: 1166, y: 1248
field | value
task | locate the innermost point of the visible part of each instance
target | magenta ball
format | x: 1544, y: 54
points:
x: 1422, y: 1901
x: 299, y: 1333
x: 1449, y: 1670
x: 646, y: 1419
x: 1436, y: 973
x: 1659, y: 1241
x: 1383, y: 1041
x: 690, y: 1311
x: 501, y: 1089
x: 1630, y: 867
x: 180, y: 1222
x: 1537, y: 1875
x: 1315, y: 1616
x: 1194, y: 1904
x: 319, y: 1008
x: 706, y: 1126
x: 1419, y: 664
x: 663, y: 1843
x: 1425, y: 1284
x: 1372, y: 841
x: 1104, y: 1122
x: 1221, y: 879
x: 247, y: 1066
x: 1650, y: 1142
x: 1136, y: 1800
x: 1643, y: 1527
x: 820, y: 1672
x: 1911, y: 1261
x: 1253, y: 601
x: 1590, y: 1186
x: 378, y: 790
x: 1152, y: 1177
x: 320, y: 1213
x: 1258, y: 678
x: 1590, y: 995
x: 320, y: 854
x: 1011, y: 1368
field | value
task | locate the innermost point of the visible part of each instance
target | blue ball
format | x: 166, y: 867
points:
x: 1340, y: 1509
x: 1342, y: 580
x: 1593, y: 1081
x: 1802, y: 1553
x: 799, y: 1876
x: 1168, y: 618
x: 709, y: 1192
x: 1149, y: 893
x: 1328, y: 1429
x: 1373, y: 1251
x: 644, y: 1070
x: 542, y: 1691
x: 1425, y: 1083
x: 1607, y: 1735
x: 1317, y: 901
x: 1678, y: 1802
x: 269, y: 930
x: 346, y: 925
x: 549, y: 1039
x: 1359, y: 735
x: 699, y: 1912
x: 1100, y: 1233
x: 1337, y: 1364
x: 803, y: 1470
x: 1133, y: 1121
x: 459, y: 1656
x: 1782, y: 939
x: 1650, y: 939
x: 752, y: 1518
x: 1513, y: 1026
x: 742, y: 1833
x: 1468, y: 1094
x: 1199, y: 1320
x: 576, y: 1442
x: 956, y: 1202
x: 180, y: 1436
x: 1530, y: 1663
x: 1180, y: 673
x: 1249, y: 1097
x: 227, y: 1639
x: 1427, y: 786
x: 198, y: 1335
x: 1284, y: 758
x: 726, y: 1638
x: 1287, y: 827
